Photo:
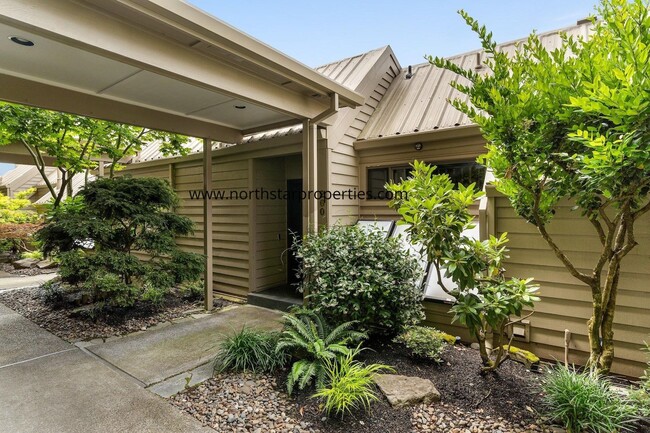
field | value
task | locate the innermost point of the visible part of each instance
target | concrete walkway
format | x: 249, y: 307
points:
x: 48, y: 385
x: 12, y: 282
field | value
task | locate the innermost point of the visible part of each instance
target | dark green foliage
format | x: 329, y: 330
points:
x: 585, y: 402
x: 97, y: 233
x: 250, y: 350
x: 423, y: 342
x: 350, y: 384
x: 308, y: 337
x: 350, y: 274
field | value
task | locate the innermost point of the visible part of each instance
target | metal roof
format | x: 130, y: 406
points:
x: 420, y: 104
x: 23, y: 177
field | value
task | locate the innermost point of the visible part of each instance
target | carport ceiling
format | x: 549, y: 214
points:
x: 156, y: 63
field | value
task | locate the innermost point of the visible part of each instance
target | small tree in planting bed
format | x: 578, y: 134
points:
x: 117, y: 218
x: 572, y: 123
x: 438, y: 213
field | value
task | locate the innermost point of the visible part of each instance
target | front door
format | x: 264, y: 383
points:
x: 294, y: 227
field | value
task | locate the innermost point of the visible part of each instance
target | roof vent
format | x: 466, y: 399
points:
x: 409, y: 74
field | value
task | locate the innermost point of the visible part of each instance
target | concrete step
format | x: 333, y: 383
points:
x: 277, y: 298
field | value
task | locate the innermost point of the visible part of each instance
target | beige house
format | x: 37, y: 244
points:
x: 349, y: 125
x: 404, y: 116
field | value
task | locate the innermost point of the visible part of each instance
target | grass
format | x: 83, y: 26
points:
x: 250, y: 350
x: 585, y: 402
x: 350, y: 384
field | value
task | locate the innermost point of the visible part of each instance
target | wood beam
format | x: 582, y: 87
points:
x: 24, y: 91
x: 84, y: 28
x: 207, y: 225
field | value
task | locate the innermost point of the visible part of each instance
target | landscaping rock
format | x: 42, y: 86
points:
x: 405, y: 391
x: 5, y: 257
x: 25, y: 263
x: 46, y: 264
x: 241, y: 403
x: 529, y: 359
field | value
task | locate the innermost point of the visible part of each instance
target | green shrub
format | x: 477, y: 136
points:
x: 350, y: 384
x: 32, y: 255
x: 17, y: 210
x: 308, y: 337
x: 191, y: 289
x: 351, y: 274
x: 250, y: 350
x: 423, y: 342
x: 96, y: 234
x: 585, y: 402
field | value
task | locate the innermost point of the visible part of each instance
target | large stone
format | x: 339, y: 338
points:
x: 46, y: 264
x: 25, y: 263
x: 405, y: 390
x: 5, y: 257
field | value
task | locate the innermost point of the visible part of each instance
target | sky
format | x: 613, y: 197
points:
x: 316, y: 33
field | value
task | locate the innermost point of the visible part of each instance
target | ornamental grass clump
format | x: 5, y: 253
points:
x: 350, y: 384
x: 585, y: 402
x: 350, y: 274
x: 250, y: 350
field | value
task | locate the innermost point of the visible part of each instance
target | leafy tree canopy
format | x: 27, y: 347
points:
x: 573, y: 123
x: 77, y: 143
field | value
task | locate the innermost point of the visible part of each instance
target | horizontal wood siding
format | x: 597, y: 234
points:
x: 344, y: 162
x: 230, y: 227
x: 566, y: 302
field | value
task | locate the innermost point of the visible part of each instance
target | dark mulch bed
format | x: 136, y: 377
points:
x: 60, y: 320
x: 9, y: 268
x: 511, y: 393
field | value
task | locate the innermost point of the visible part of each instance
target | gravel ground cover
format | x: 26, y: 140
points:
x: 62, y: 322
x: 9, y: 268
x: 471, y: 403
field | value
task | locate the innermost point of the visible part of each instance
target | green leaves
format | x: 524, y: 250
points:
x: 307, y: 336
x: 350, y: 274
x: 485, y: 300
x: 250, y: 350
x: 117, y: 217
x: 350, y: 384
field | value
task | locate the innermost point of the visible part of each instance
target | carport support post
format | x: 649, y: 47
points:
x: 309, y: 176
x: 207, y: 223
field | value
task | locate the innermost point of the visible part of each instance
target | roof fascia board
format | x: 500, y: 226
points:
x: 87, y: 29
x: 212, y: 30
x: 426, y: 136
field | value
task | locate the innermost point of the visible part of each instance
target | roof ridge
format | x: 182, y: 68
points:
x: 510, y: 42
x: 350, y: 58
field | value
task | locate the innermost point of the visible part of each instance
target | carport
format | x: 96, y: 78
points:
x: 166, y: 65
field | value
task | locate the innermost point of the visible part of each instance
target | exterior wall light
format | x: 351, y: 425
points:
x: 21, y: 41
x: 418, y: 146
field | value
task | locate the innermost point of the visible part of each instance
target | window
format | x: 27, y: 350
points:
x: 461, y: 172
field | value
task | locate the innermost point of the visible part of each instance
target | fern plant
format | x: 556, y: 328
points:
x: 350, y: 384
x: 308, y: 337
